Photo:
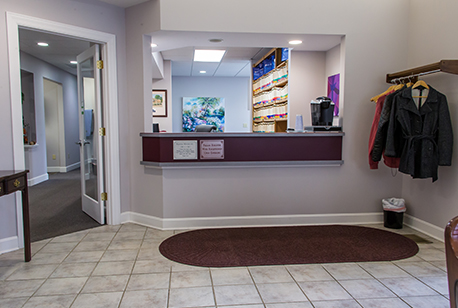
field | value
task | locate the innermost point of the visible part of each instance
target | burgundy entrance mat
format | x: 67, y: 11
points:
x: 228, y: 247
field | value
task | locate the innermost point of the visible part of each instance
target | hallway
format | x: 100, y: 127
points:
x: 55, y: 207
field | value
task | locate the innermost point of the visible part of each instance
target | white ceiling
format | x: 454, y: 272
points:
x: 178, y: 47
x: 60, y: 52
x: 242, y: 49
x: 235, y: 63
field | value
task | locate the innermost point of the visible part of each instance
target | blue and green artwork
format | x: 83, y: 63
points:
x: 203, y: 110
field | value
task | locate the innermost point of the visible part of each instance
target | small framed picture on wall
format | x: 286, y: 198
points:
x: 159, y: 103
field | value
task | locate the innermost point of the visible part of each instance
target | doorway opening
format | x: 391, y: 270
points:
x: 108, y: 44
x: 56, y: 202
x: 54, y: 126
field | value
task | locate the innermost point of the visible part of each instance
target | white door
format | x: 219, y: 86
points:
x: 91, y: 138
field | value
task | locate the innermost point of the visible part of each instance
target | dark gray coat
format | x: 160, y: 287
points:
x: 423, y: 137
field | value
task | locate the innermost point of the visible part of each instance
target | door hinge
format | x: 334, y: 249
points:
x: 104, y: 196
x: 100, y: 64
x: 102, y: 131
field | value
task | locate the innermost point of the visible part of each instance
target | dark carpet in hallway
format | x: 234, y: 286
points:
x: 55, y: 207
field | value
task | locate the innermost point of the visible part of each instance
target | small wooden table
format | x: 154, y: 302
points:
x: 10, y: 182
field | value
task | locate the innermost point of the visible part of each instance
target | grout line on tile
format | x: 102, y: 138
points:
x: 170, y: 287
x: 213, y: 287
x: 256, y: 286
x: 297, y: 283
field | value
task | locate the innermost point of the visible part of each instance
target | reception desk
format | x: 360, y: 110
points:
x: 172, y: 150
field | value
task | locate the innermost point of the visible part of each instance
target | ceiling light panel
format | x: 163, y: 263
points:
x: 207, y: 55
x: 209, y: 67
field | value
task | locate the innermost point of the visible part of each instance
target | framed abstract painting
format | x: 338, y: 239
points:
x: 334, y: 91
x: 203, y: 110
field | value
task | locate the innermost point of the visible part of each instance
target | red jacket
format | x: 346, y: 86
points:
x: 392, y: 162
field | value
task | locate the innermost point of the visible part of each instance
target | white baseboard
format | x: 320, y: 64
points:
x: 64, y: 169
x: 250, y: 221
x: 72, y: 167
x: 276, y: 220
x: 55, y: 169
x: 37, y: 180
x: 8, y: 244
x: 141, y: 219
x: 59, y: 169
x: 424, y: 227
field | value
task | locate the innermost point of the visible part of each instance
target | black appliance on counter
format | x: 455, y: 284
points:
x: 322, y: 111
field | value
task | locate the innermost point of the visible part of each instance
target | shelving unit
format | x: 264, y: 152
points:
x: 270, y: 96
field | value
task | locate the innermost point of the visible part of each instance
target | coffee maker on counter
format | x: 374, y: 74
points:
x: 322, y: 111
x: 322, y: 115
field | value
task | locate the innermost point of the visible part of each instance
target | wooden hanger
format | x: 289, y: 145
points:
x: 375, y: 98
x: 420, y: 83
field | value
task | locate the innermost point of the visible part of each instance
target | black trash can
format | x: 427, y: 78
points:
x: 393, y: 212
x: 393, y: 220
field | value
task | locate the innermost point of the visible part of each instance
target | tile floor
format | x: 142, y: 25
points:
x: 120, y: 266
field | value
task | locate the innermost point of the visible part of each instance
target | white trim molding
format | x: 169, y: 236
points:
x: 424, y: 227
x: 63, y: 169
x: 276, y: 220
x: 37, y: 180
x: 72, y: 167
x: 110, y: 101
x: 8, y: 244
x: 59, y: 169
x: 250, y: 221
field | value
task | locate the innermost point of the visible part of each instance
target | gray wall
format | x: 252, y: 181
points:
x: 235, y: 91
x: 165, y: 123
x: 430, y: 40
x: 372, y: 50
x: 306, y: 82
x: 141, y: 19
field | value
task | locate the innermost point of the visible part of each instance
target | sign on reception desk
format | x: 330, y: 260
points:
x: 211, y: 149
x: 185, y: 149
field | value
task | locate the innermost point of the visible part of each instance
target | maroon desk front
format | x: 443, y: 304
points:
x: 246, y: 148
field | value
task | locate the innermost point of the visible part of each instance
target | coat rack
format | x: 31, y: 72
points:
x: 446, y: 66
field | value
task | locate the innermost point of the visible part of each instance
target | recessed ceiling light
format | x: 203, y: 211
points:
x: 205, y: 55
x: 295, y: 42
x: 43, y: 44
x: 203, y: 72
x: 215, y: 40
x: 73, y: 62
x: 153, y: 45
